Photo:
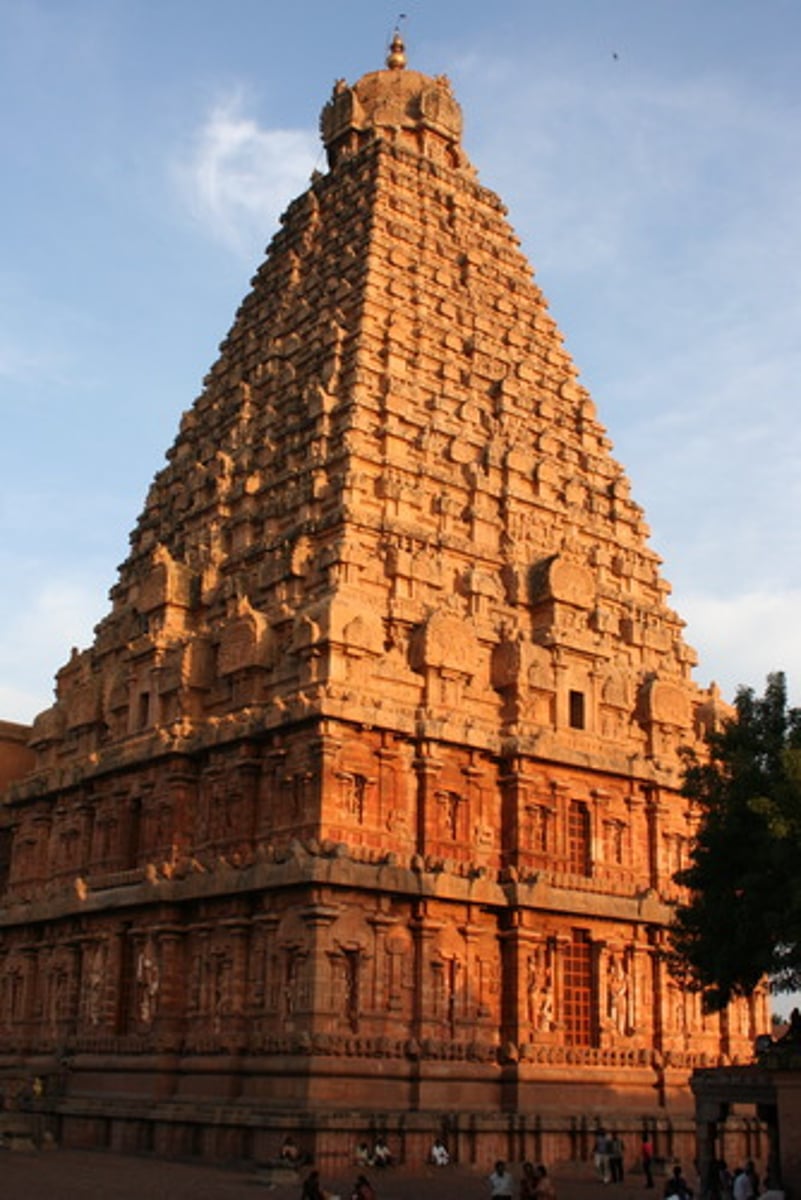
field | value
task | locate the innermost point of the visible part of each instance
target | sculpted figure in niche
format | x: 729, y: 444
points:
x: 291, y: 975
x: 147, y: 982
x: 57, y: 997
x: 540, y: 990
x: 94, y: 984
x: 352, y: 980
x: 617, y: 995
x: 538, y: 827
x: 679, y: 1011
x: 221, y: 995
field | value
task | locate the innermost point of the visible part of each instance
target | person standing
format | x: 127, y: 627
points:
x: 616, y: 1157
x: 528, y: 1182
x: 312, y: 1189
x: 678, y: 1186
x: 725, y: 1179
x: 544, y: 1189
x: 601, y: 1154
x: 647, y: 1159
x: 751, y: 1172
x: 501, y: 1182
x: 743, y: 1186
x: 363, y: 1189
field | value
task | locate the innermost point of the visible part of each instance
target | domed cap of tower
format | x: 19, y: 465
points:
x: 405, y: 107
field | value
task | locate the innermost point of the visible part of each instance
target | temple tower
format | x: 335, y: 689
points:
x: 360, y: 812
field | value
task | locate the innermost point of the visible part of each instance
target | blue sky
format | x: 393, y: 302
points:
x: 649, y: 152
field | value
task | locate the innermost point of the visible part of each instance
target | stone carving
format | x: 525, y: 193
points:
x: 539, y: 989
x: 148, y: 980
x: 166, y: 583
x: 95, y: 981
x: 245, y: 639
x: 617, y: 990
x: 666, y: 703
x: 568, y: 582
x: 446, y: 641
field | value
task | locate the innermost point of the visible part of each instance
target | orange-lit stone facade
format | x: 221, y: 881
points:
x: 361, y: 811
x: 16, y: 757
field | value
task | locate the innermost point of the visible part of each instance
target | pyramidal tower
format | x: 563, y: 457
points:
x: 361, y: 813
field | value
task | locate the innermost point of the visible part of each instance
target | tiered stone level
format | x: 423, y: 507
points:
x: 364, y: 799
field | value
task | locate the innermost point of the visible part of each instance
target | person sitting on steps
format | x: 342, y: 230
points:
x: 382, y: 1156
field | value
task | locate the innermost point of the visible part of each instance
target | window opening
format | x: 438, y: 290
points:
x: 576, y: 710
x: 578, y: 838
x: 578, y: 997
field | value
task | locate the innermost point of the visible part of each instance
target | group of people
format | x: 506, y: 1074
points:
x: 380, y: 1155
x: 535, y: 1183
x: 313, y: 1189
x: 722, y: 1184
x: 608, y: 1156
x: 740, y: 1184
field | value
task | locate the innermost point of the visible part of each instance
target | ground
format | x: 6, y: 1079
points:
x: 85, y: 1175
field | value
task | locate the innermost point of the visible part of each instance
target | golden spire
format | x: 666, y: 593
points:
x: 396, y: 59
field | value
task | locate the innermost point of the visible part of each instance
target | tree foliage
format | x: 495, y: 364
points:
x: 743, y: 919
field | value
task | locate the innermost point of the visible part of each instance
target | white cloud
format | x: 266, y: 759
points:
x: 745, y: 637
x: 239, y: 177
x: 38, y: 633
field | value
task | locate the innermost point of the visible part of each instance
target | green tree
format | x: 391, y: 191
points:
x: 742, y: 921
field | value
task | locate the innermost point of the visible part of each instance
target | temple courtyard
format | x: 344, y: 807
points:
x: 85, y: 1175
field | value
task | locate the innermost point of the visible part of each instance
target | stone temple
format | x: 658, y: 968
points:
x: 361, y: 812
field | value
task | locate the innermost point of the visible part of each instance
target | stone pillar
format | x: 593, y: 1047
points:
x: 270, y: 791
x: 561, y: 721
x: 32, y: 1000
x: 427, y: 769
x: 425, y: 932
x: 597, y: 809
x: 659, y: 1001
x: 317, y: 917
x: 385, y: 981
x: 40, y: 865
x: 68, y: 1017
x: 118, y: 999
x: 86, y: 817
x: 601, y: 958
x: 182, y: 784
x: 655, y: 811
x: 248, y: 770
x: 239, y: 932
x: 469, y: 978
x: 169, y: 1019
x: 264, y: 985
x: 514, y: 793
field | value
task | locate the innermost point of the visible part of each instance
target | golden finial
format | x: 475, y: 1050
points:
x: 396, y: 59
